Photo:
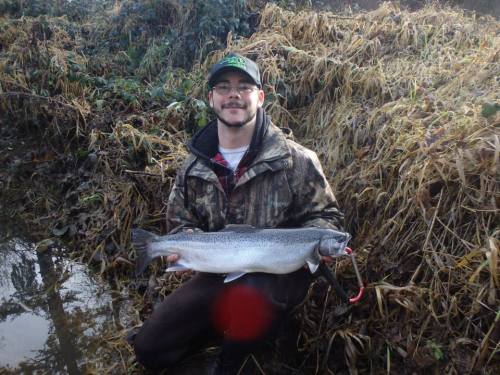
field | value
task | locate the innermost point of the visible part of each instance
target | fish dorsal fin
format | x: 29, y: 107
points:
x: 241, y: 228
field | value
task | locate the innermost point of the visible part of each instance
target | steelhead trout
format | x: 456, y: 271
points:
x: 240, y: 249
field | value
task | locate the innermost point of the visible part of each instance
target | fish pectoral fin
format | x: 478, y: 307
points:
x: 177, y: 267
x: 240, y: 228
x: 233, y: 276
x: 313, y: 265
x: 314, y: 260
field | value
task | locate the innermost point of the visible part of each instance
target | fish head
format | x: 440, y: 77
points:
x: 334, y: 243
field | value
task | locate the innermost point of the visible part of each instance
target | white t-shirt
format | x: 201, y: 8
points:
x: 233, y: 156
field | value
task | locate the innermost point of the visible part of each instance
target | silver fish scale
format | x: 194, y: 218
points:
x: 256, y: 250
x: 262, y: 235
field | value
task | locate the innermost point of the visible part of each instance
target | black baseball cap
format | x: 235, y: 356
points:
x: 238, y: 63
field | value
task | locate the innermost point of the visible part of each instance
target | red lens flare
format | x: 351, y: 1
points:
x: 242, y: 312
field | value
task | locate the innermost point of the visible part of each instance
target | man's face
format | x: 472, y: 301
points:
x: 235, y: 99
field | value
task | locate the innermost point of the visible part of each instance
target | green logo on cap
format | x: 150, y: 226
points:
x: 234, y: 61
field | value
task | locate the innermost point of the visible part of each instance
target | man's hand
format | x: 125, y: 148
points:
x: 172, y: 258
x: 327, y: 259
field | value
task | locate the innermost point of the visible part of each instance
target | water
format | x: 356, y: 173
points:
x: 54, y: 313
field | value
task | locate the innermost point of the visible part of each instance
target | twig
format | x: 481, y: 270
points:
x: 142, y: 173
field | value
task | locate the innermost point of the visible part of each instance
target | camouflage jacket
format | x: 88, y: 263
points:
x: 282, y: 186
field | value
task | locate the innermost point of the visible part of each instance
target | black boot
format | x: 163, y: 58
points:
x: 231, y: 359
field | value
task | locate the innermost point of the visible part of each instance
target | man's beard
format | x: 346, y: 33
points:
x: 249, y: 116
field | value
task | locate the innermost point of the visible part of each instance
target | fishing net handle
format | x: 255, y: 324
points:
x: 361, y: 290
x: 330, y: 277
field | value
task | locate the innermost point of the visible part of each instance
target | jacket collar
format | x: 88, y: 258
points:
x: 273, y: 147
x: 275, y: 155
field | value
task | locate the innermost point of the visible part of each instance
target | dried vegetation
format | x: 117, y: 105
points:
x: 403, y: 109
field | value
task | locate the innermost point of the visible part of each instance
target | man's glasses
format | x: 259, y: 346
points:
x: 225, y: 88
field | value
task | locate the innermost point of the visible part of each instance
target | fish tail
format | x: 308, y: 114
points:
x: 141, y: 240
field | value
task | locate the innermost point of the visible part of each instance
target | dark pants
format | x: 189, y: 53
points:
x: 244, y: 313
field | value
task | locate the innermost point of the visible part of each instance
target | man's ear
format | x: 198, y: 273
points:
x: 210, y: 99
x: 261, y: 98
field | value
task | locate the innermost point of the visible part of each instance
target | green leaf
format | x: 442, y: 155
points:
x: 436, y: 350
x: 490, y: 109
x: 202, y: 121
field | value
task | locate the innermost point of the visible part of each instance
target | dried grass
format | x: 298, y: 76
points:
x: 392, y: 101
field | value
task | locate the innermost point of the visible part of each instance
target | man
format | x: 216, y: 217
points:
x: 242, y: 169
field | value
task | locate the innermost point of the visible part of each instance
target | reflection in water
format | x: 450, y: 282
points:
x: 53, y: 313
x: 67, y: 347
x: 23, y: 334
